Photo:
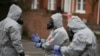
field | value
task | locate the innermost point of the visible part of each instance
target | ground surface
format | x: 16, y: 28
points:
x: 30, y: 50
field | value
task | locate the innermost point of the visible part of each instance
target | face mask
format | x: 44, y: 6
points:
x: 50, y: 24
x: 20, y: 21
x: 70, y: 34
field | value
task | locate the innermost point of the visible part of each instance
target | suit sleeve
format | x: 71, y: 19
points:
x: 15, y: 36
x: 76, y: 47
x: 57, y: 39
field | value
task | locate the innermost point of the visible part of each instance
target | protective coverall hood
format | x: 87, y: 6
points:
x: 57, y: 19
x: 14, y: 12
x: 75, y: 24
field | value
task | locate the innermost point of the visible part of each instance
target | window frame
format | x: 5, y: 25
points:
x: 81, y: 10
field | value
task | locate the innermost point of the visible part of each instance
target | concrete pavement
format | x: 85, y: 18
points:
x: 30, y: 50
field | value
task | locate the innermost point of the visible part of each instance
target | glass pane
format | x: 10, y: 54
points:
x: 79, y: 0
x: 84, y: 0
x: 79, y: 6
x: 84, y: 6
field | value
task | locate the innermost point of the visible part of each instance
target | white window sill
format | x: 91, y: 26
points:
x: 80, y: 12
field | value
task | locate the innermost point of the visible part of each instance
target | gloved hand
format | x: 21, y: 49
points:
x: 38, y: 45
x: 36, y: 38
x: 57, y: 50
x: 22, y: 54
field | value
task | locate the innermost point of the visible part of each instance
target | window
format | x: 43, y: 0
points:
x: 80, y: 6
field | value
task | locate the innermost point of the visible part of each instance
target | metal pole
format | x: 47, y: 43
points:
x: 98, y: 17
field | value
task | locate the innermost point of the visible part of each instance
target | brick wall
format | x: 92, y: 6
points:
x: 87, y: 15
x: 43, y: 4
x: 35, y: 22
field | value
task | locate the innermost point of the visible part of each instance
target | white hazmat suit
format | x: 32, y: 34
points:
x: 10, y: 33
x: 57, y: 36
x: 84, y: 40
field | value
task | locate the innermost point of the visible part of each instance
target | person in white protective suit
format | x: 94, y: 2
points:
x: 83, y: 43
x: 10, y: 33
x: 58, y: 35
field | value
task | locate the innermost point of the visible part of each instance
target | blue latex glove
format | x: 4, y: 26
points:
x: 38, y: 45
x: 57, y: 50
x: 36, y: 38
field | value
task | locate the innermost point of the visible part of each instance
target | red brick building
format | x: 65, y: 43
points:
x: 82, y: 8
